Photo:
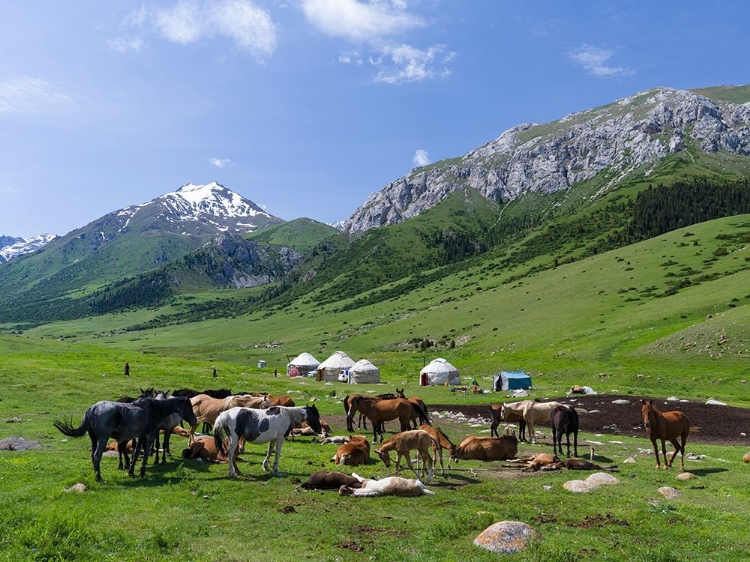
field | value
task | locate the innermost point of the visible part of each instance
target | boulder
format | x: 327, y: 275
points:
x: 507, y: 537
x: 669, y: 492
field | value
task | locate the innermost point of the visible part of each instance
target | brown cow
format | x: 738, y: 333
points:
x: 487, y: 448
x: 356, y: 451
x: 328, y: 480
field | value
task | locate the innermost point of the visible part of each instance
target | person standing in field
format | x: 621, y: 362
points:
x: 213, y: 372
x: 127, y: 369
x: 275, y: 373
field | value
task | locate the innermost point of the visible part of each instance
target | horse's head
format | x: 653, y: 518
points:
x: 400, y: 393
x: 353, y: 405
x: 148, y: 393
x: 384, y: 456
x: 647, y: 413
x: 313, y: 419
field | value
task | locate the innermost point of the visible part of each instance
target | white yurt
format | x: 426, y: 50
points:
x: 364, y: 372
x: 304, y: 363
x: 329, y: 369
x: 439, y: 371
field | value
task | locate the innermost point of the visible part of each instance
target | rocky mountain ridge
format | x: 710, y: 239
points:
x: 634, y: 133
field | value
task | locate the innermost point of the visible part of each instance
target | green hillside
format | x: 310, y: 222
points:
x: 733, y: 94
x: 301, y: 235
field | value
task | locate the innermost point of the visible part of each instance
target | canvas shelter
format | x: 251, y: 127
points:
x: 511, y: 380
x: 438, y: 372
x: 330, y: 369
x: 305, y: 364
x: 364, y: 372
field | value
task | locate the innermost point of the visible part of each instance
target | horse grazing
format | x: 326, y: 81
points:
x: 124, y: 422
x: 512, y: 416
x: 405, y: 442
x: 420, y: 405
x: 391, y: 486
x: 531, y: 411
x: 666, y: 426
x: 564, y: 420
x: 206, y: 408
x: 443, y: 443
x: 378, y: 411
x: 260, y: 426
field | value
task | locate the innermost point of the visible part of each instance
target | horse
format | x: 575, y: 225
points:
x: 362, y: 419
x: 260, y: 426
x: 123, y: 449
x: 123, y: 422
x: 443, y: 443
x: 406, y: 441
x: 496, y: 416
x: 189, y: 392
x: 383, y: 410
x: 564, y: 420
x: 206, y: 408
x: 666, y: 426
x: 390, y: 486
x: 167, y: 424
x: 414, y: 400
x: 531, y: 411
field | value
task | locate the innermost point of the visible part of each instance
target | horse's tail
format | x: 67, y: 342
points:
x: 219, y: 427
x: 422, y: 414
x: 66, y: 428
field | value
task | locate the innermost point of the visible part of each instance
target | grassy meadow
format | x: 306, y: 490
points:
x: 629, y: 313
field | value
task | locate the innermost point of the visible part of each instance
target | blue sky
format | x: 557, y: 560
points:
x: 307, y: 106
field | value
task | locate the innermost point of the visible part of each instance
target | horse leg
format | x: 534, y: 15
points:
x: 554, y: 440
x: 676, y: 450
x: 271, y: 445
x: 164, y: 451
x: 567, y: 441
x: 148, y: 443
x: 231, y: 455
x: 575, y: 443
x: 532, y: 435
x: 96, y: 458
x: 411, y: 466
x: 521, y: 431
x: 664, y: 452
x: 493, y: 429
x: 279, y: 443
x: 656, y: 453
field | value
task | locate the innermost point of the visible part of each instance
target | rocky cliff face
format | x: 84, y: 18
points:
x: 636, y: 131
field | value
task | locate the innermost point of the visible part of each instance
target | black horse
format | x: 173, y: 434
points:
x: 564, y: 420
x: 139, y: 420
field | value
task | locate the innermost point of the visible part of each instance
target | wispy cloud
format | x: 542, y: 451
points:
x: 595, y: 61
x: 404, y: 63
x: 27, y: 94
x: 124, y: 44
x: 219, y: 162
x: 421, y: 158
x: 248, y: 26
x: 376, y: 26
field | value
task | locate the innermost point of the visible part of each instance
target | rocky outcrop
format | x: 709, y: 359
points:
x: 633, y: 132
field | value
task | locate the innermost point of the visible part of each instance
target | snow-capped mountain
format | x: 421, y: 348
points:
x: 10, y: 246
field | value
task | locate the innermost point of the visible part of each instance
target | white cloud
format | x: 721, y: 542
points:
x: 248, y: 26
x: 26, y: 94
x: 421, y: 158
x: 219, y: 162
x: 365, y: 22
x: 594, y: 60
x: 376, y: 25
x: 408, y: 64
x: 124, y: 45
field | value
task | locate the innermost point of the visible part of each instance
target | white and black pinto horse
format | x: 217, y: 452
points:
x: 139, y: 420
x: 270, y: 426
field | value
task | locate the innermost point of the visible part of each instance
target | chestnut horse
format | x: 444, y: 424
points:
x: 378, y: 411
x: 666, y: 426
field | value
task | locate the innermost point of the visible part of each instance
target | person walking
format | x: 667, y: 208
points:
x: 275, y: 373
x: 127, y: 369
x: 213, y: 373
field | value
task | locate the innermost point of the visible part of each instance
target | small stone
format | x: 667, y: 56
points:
x: 80, y: 488
x: 669, y: 492
x: 629, y: 460
x: 746, y: 458
x: 600, y: 479
x: 685, y: 476
x: 507, y: 537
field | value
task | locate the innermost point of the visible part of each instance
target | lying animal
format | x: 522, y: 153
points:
x: 487, y: 448
x: 391, y: 486
x: 356, y: 451
x: 305, y: 430
x: 204, y: 448
x: 580, y: 464
x: 328, y: 480
x: 334, y: 440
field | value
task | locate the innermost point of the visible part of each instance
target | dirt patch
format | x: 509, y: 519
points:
x: 18, y: 444
x: 593, y: 521
x: 351, y: 545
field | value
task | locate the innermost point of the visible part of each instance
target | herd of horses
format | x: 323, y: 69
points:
x: 262, y: 419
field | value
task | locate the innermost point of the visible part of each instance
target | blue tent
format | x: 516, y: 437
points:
x: 512, y: 380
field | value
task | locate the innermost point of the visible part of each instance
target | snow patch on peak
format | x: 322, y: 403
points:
x: 25, y: 245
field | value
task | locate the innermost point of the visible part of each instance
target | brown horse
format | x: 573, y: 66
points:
x: 378, y: 411
x: 666, y: 426
x: 207, y: 409
x: 415, y: 401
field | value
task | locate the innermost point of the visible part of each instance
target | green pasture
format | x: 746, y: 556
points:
x: 191, y: 511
